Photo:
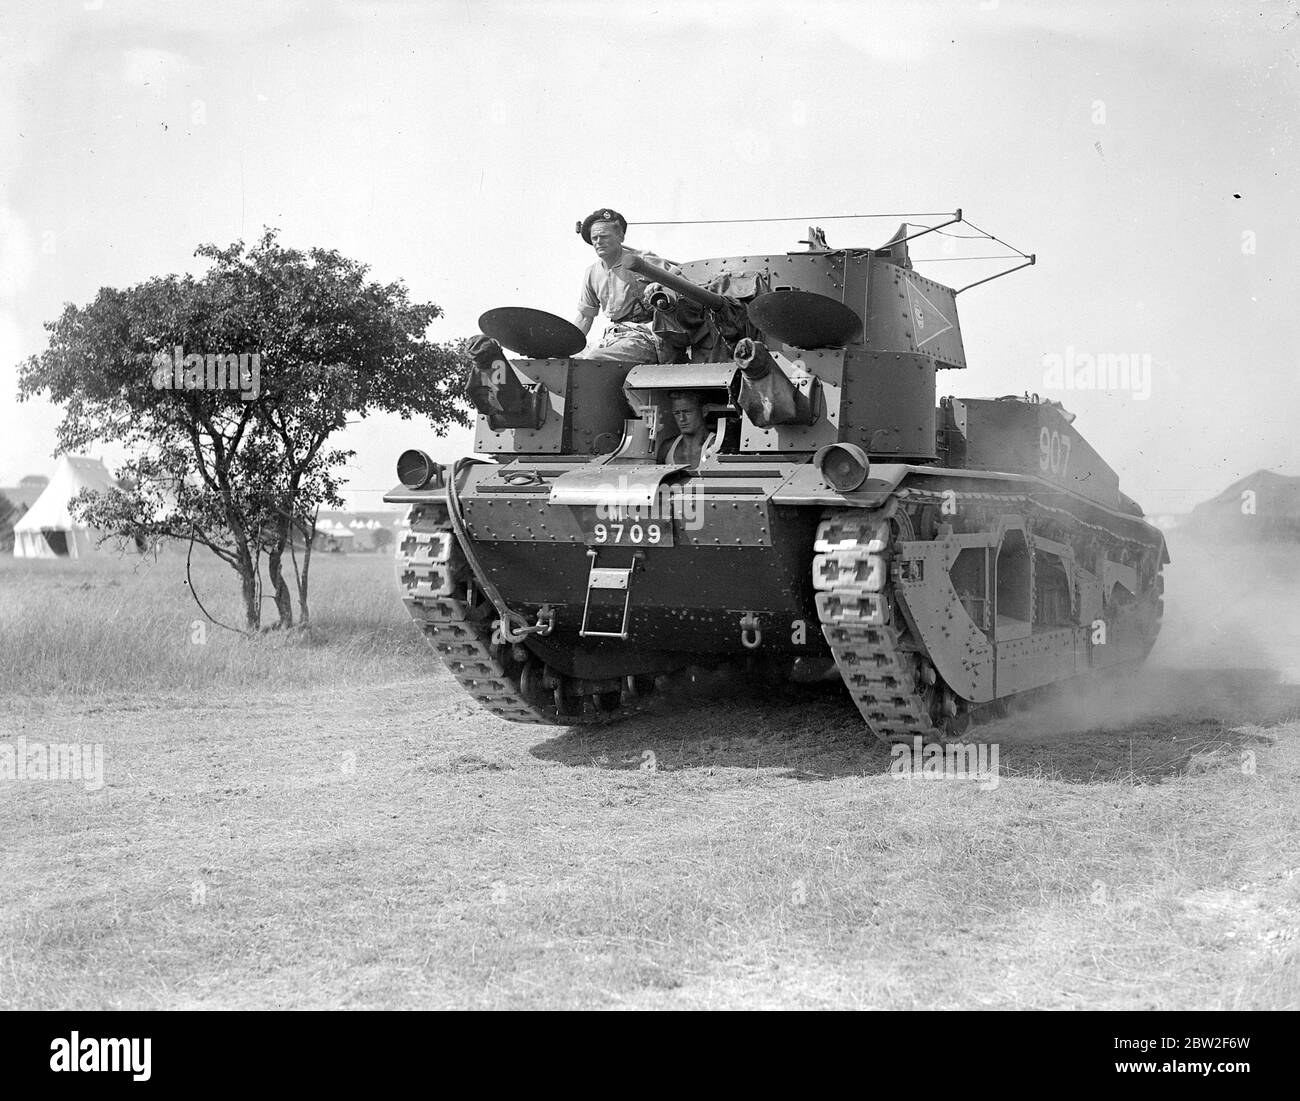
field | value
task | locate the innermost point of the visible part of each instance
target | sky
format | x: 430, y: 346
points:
x: 1146, y: 152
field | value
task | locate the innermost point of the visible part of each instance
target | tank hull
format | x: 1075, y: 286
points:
x: 931, y: 592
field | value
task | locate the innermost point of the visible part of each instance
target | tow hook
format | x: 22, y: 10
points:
x: 513, y: 627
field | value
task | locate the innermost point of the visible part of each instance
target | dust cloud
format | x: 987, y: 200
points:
x: 1230, y: 606
x: 1228, y: 652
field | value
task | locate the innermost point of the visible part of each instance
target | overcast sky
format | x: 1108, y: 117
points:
x: 1147, y: 152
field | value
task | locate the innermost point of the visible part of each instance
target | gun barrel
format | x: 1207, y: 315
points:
x: 656, y: 274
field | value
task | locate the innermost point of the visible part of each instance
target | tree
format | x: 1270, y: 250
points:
x: 383, y: 539
x: 226, y: 391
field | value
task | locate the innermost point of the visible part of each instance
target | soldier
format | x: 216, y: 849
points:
x: 610, y: 288
x: 694, y: 441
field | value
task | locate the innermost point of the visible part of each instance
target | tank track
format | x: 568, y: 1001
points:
x: 896, y: 689
x: 455, y: 616
x: 882, y: 669
x: 459, y: 621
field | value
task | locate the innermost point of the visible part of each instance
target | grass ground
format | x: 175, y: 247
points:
x: 331, y: 823
x: 124, y: 626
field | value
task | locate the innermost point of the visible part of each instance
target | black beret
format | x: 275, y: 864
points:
x: 604, y: 214
x: 483, y: 349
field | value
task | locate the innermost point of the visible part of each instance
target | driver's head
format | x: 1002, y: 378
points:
x: 688, y: 412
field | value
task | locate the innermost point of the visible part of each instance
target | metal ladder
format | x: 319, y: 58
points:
x: 608, y: 579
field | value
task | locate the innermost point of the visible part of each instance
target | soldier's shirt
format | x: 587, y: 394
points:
x: 616, y: 292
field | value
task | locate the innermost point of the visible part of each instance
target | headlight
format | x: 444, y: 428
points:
x: 844, y: 466
x: 415, y: 470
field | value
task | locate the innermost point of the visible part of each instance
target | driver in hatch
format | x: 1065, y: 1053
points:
x: 694, y: 440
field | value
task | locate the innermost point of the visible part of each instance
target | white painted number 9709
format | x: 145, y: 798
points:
x: 1053, y: 452
x: 627, y: 533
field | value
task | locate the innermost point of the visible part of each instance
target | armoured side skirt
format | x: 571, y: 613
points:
x: 979, y: 668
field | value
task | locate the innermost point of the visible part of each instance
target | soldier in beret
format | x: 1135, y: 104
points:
x: 610, y: 288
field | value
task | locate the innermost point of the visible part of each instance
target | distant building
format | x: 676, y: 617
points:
x: 1261, y: 506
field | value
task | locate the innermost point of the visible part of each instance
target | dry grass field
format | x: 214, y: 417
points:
x: 328, y: 822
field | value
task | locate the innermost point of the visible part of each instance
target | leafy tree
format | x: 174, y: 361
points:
x: 227, y: 390
x: 383, y: 539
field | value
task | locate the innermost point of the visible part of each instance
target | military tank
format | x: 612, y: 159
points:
x: 939, y: 557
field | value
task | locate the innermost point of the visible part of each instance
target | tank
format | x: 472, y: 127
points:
x: 939, y: 557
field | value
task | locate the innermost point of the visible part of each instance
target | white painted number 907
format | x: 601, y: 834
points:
x: 1053, y: 452
x: 627, y: 533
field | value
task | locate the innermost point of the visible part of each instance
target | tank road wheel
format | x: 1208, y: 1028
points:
x: 638, y: 686
x: 566, y: 705
x: 956, y: 714
x: 530, y: 683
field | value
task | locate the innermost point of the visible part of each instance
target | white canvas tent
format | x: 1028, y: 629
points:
x: 333, y: 535
x: 47, y: 530
x: 363, y: 529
